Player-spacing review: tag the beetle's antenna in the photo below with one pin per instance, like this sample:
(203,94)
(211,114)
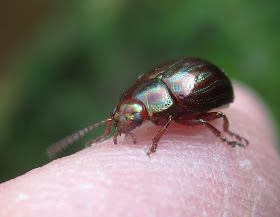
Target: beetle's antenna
(61,145)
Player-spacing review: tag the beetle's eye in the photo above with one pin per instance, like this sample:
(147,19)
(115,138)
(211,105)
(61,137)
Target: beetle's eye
(137,119)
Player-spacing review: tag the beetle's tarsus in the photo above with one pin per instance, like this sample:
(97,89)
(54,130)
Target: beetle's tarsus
(247,142)
(234,143)
(238,137)
(94,141)
(149,152)
(152,149)
(240,145)
(132,136)
(116,137)
(88,144)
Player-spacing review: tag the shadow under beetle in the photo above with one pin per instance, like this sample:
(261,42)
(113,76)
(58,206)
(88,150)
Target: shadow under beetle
(183,90)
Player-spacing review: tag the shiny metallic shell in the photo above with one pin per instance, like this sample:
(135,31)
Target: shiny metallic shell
(193,84)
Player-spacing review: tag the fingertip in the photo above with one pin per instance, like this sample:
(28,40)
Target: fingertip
(191,173)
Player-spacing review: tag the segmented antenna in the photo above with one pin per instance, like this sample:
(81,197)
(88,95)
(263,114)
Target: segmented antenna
(61,145)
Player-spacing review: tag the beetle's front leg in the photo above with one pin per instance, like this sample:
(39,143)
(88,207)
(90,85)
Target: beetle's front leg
(116,137)
(157,137)
(101,138)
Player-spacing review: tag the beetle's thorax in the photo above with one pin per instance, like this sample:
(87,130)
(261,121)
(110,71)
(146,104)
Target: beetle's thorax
(129,114)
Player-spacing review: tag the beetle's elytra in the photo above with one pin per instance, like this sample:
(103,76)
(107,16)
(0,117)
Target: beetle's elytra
(183,90)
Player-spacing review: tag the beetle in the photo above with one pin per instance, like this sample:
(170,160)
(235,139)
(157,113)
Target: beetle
(184,90)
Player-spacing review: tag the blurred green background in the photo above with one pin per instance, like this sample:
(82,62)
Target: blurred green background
(64,64)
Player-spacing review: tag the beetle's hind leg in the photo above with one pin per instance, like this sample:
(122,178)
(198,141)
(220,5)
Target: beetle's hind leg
(226,128)
(206,117)
(214,115)
(218,134)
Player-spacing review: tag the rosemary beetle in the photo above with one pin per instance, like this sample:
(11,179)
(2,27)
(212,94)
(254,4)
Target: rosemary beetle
(184,90)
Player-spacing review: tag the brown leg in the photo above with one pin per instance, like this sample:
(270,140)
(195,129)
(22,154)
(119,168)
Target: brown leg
(119,133)
(158,136)
(116,137)
(204,118)
(218,134)
(214,115)
(100,138)
(132,136)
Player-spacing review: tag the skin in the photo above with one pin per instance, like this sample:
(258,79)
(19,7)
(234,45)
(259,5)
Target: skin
(192,173)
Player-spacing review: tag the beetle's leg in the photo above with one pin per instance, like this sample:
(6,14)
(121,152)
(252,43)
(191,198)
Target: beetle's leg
(218,134)
(226,128)
(198,120)
(115,137)
(132,136)
(106,134)
(214,115)
(158,136)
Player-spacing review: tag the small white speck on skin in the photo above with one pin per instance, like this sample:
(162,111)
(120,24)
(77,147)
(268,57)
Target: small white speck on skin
(245,163)
(85,187)
(204,213)
(22,196)
(109,181)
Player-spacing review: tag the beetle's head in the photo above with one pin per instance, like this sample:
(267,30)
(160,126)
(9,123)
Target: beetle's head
(129,114)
